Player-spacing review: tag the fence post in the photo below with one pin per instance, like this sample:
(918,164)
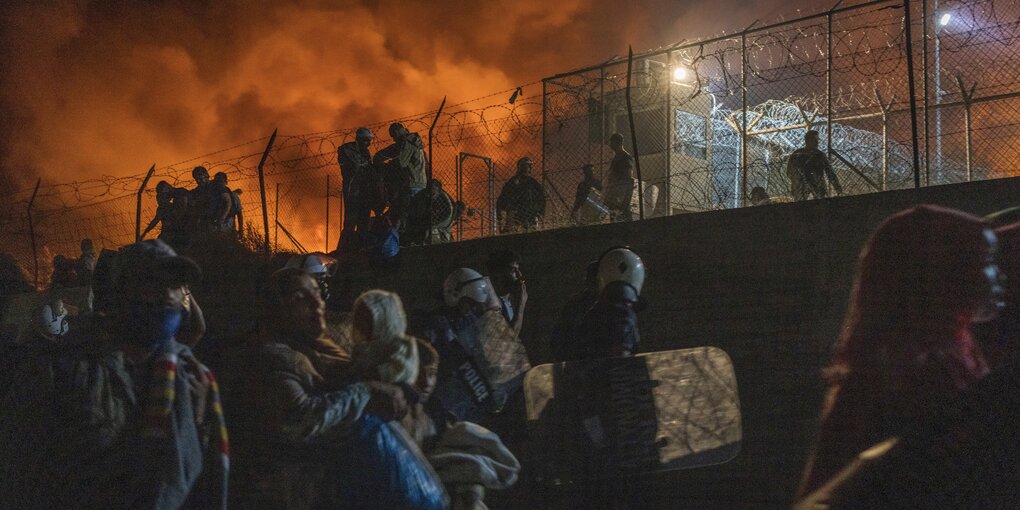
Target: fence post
(491,197)
(262,190)
(742,174)
(276,218)
(886,107)
(968,102)
(924,90)
(428,184)
(457,184)
(545,181)
(602,123)
(912,91)
(669,133)
(138,206)
(327,214)
(31,234)
(633,138)
(828,83)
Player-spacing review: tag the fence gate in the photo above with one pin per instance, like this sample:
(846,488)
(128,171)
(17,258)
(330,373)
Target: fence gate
(476,188)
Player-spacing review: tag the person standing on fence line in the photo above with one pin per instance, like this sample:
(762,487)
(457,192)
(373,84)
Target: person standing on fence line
(808,169)
(222,207)
(760,197)
(522,201)
(355,173)
(584,189)
(87,261)
(200,201)
(620,182)
(172,214)
(402,164)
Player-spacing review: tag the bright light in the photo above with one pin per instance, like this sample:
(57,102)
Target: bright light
(679,74)
(944,20)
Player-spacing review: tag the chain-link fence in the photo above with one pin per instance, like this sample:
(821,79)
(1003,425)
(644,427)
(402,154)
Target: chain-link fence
(712,124)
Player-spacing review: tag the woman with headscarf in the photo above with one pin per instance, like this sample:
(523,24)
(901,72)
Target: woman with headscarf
(384,352)
(923,279)
(466,457)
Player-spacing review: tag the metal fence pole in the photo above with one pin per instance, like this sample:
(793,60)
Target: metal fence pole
(924,90)
(138,205)
(886,107)
(545,105)
(492,198)
(633,137)
(828,83)
(428,184)
(460,193)
(912,92)
(276,218)
(31,234)
(938,90)
(262,190)
(968,102)
(602,122)
(669,132)
(327,213)
(742,174)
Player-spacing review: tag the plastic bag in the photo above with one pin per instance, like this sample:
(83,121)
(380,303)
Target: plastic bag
(381,468)
(385,238)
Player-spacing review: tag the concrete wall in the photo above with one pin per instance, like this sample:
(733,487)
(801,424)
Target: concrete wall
(768,285)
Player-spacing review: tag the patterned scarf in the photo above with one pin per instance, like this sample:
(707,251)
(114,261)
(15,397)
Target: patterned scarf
(158,415)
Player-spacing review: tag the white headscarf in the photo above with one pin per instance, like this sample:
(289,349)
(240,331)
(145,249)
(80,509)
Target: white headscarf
(389,352)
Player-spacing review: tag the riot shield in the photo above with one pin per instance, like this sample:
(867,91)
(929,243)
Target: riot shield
(653,412)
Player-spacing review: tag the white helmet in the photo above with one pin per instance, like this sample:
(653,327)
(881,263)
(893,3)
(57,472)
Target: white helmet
(318,264)
(322,267)
(467,283)
(620,264)
(51,319)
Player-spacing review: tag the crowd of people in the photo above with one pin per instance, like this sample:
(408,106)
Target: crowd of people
(183,214)
(372,407)
(369,408)
(389,199)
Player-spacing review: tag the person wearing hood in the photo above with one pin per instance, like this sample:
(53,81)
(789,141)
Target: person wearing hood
(356,177)
(127,417)
(609,328)
(292,399)
(924,278)
(384,352)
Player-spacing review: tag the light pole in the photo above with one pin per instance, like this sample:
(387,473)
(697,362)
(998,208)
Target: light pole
(940,22)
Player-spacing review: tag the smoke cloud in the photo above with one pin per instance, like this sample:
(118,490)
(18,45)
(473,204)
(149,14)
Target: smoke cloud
(106,88)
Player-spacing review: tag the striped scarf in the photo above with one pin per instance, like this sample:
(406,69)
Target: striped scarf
(158,416)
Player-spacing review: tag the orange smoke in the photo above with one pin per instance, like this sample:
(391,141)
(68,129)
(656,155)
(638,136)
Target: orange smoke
(107,88)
